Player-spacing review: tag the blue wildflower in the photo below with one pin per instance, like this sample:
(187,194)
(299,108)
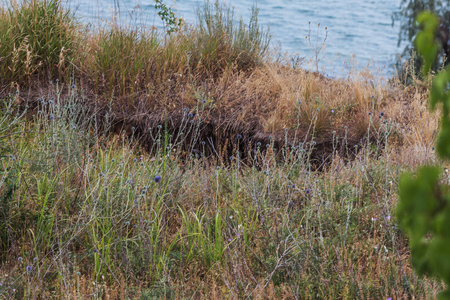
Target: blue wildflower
(157,179)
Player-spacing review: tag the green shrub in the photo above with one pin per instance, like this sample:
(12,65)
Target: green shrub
(424,208)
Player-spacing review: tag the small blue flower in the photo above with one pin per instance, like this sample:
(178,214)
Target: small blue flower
(157,179)
(20,258)
(239,136)
(203,143)
(307,191)
(29,269)
(258,144)
(190,115)
(73,86)
(382,114)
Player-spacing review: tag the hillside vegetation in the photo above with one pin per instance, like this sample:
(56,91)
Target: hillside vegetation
(140,164)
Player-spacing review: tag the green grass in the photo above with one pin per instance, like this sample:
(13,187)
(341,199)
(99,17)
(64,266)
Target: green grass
(38,40)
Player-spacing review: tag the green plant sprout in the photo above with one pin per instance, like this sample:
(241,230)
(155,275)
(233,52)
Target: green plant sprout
(166,14)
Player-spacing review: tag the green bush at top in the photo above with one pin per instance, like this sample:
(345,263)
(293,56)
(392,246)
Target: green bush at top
(36,37)
(424,208)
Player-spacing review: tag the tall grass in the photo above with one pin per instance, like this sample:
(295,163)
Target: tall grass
(224,44)
(42,41)
(38,39)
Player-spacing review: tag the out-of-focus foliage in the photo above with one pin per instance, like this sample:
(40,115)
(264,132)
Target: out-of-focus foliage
(407,15)
(424,208)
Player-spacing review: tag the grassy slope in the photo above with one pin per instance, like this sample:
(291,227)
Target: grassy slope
(260,195)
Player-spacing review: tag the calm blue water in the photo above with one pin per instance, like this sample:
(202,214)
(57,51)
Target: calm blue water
(358,29)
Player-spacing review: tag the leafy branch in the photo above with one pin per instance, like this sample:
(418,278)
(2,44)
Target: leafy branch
(424,208)
(166,14)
